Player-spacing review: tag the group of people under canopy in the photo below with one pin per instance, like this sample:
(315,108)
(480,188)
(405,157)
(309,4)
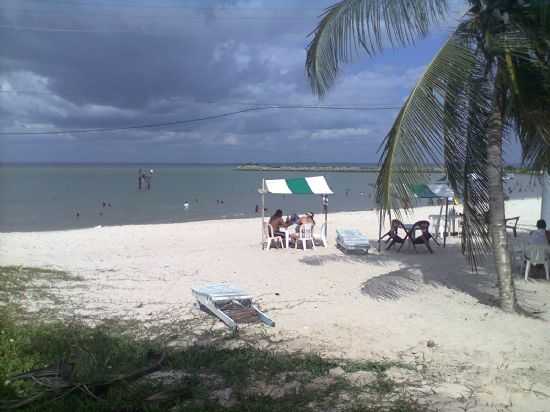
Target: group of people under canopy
(292,223)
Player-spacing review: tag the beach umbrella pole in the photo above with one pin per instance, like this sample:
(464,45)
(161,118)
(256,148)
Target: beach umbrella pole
(446,214)
(325,209)
(263,212)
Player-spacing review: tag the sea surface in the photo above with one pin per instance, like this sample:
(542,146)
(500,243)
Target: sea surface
(48,197)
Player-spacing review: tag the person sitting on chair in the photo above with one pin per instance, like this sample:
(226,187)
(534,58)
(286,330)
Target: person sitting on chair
(277,222)
(307,219)
(540,236)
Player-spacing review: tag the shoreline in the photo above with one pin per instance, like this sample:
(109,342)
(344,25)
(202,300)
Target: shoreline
(217,220)
(230,218)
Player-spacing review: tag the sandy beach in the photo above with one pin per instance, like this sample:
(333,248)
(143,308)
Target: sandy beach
(379,305)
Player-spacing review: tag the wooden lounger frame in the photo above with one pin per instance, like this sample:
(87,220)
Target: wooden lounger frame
(231,305)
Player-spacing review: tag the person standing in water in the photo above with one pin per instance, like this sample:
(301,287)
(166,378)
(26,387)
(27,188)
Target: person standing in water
(149,178)
(140,179)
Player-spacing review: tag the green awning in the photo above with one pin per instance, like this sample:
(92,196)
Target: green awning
(316,185)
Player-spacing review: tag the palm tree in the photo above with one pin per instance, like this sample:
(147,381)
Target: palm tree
(488,83)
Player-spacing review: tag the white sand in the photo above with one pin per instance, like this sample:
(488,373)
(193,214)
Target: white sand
(316,297)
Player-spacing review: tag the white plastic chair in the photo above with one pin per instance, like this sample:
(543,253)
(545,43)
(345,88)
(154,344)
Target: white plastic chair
(270,236)
(537,255)
(305,234)
(322,237)
(516,246)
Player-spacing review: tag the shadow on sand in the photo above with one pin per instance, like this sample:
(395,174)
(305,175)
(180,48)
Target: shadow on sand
(447,268)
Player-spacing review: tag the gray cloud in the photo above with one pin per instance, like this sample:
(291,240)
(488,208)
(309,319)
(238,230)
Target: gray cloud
(143,62)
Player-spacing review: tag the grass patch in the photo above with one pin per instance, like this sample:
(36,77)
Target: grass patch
(94,355)
(108,367)
(373,366)
(235,365)
(19,283)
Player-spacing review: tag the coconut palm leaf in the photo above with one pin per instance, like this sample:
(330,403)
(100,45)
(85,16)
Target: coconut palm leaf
(474,182)
(369,25)
(528,113)
(439,101)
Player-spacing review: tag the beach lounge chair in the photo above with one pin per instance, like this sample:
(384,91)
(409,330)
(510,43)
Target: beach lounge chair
(305,234)
(271,237)
(231,305)
(393,233)
(537,255)
(352,240)
(322,236)
(423,239)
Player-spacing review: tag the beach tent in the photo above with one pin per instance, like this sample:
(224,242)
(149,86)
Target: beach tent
(316,185)
(429,191)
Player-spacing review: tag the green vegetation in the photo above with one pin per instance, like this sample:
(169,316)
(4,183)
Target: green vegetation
(122,366)
(18,283)
(488,82)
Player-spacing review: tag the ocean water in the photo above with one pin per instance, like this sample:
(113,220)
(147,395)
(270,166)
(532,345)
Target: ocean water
(34,198)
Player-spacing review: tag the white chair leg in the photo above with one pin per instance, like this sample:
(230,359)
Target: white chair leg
(527,267)
(547,270)
(312,244)
(521,263)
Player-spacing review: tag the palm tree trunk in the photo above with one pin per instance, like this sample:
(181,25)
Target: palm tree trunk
(497,228)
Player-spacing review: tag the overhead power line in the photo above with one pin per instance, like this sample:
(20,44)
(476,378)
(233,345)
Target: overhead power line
(194,120)
(363,106)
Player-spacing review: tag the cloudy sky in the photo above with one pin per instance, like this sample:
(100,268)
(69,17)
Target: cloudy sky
(77,64)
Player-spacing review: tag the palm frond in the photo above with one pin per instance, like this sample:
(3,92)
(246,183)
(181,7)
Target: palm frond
(476,240)
(443,122)
(369,25)
(416,139)
(527,113)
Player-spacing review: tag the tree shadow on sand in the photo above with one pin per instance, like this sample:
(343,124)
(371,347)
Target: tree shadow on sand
(441,269)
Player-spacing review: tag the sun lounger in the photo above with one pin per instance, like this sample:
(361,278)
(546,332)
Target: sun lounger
(352,240)
(230,304)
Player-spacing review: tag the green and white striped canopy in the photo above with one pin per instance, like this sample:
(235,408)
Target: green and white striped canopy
(316,185)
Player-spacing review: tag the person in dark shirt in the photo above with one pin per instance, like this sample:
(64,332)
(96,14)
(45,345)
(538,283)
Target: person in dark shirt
(277,222)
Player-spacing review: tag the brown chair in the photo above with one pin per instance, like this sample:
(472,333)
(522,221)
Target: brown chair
(393,233)
(424,238)
(512,223)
